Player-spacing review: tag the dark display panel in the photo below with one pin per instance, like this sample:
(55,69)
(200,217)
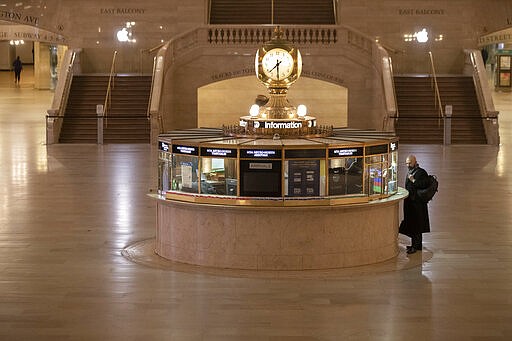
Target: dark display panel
(260,178)
(304,178)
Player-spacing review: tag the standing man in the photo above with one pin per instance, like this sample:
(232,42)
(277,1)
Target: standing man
(416,219)
(18,66)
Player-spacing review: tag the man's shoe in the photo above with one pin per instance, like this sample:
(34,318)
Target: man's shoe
(411,250)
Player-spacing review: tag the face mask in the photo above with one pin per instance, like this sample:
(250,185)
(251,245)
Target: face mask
(410,167)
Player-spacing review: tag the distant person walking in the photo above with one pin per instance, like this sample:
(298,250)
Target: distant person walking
(18,66)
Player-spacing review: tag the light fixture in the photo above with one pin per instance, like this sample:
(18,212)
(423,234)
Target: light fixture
(122,35)
(421,36)
(302,110)
(255,110)
(125,34)
(16,42)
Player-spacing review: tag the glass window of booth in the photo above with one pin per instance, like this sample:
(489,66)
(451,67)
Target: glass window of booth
(346,176)
(391,174)
(185,173)
(376,173)
(218,176)
(164,172)
(304,178)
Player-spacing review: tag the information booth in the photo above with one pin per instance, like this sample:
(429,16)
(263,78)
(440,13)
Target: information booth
(277,191)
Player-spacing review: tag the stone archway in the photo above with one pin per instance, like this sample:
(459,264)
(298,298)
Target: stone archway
(223,102)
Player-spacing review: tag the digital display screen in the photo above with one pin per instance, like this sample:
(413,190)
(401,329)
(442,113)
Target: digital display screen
(346,152)
(260,153)
(187,150)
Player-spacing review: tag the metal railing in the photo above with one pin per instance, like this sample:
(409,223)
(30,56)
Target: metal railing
(110,86)
(475,66)
(60,98)
(437,100)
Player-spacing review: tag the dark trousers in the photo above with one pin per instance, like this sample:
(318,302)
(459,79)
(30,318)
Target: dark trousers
(417,241)
(17,75)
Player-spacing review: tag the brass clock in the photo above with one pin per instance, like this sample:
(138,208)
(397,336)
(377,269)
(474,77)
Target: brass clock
(278,63)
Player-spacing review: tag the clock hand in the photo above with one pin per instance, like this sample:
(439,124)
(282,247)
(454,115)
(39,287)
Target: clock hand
(275,66)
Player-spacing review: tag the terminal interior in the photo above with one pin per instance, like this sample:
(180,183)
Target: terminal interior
(68,210)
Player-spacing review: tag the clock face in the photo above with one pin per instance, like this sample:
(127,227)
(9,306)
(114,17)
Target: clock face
(277,64)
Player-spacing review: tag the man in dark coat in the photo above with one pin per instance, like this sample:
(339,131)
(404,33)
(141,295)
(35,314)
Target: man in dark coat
(416,219)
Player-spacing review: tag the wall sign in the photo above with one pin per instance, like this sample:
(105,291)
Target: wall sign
(122,11)
(393,146)
(19,17)
(420,11)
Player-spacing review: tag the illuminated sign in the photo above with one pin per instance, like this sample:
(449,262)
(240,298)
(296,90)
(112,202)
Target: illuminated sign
(218,152)
(346,152)
(163,146)
(393,146)
(283,125)
(260,153)
(188,150)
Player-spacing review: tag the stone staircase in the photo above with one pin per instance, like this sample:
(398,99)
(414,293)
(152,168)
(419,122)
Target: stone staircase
(126,122)
(419,121)
(294,12)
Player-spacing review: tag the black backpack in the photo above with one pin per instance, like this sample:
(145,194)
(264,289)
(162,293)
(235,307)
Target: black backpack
(428,193)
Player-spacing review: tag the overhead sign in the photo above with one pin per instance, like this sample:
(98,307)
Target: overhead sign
(205,151)
(346,152)
(187,150)
(260,153)
(379,149)
(23,32)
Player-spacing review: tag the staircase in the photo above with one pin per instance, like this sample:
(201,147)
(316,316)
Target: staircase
(419,121)
(296,12)
(127,118)
(467,125)
(127,121)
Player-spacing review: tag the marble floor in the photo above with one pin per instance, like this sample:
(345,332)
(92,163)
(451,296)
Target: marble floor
(67,211)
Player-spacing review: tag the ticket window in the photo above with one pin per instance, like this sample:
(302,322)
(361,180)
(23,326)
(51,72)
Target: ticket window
(218,176)
(260,178)
(185,173)
(346,176)
(377,172)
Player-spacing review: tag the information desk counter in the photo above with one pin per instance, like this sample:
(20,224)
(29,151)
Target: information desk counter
(278,237)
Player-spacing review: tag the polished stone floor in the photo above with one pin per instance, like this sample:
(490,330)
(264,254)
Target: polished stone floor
(67,211)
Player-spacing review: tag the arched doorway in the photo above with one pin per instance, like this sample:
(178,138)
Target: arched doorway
(225,101)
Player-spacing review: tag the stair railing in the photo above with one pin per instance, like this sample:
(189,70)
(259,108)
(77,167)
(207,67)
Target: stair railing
(110,86)
(474,66)
(60,98)
(435,86)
